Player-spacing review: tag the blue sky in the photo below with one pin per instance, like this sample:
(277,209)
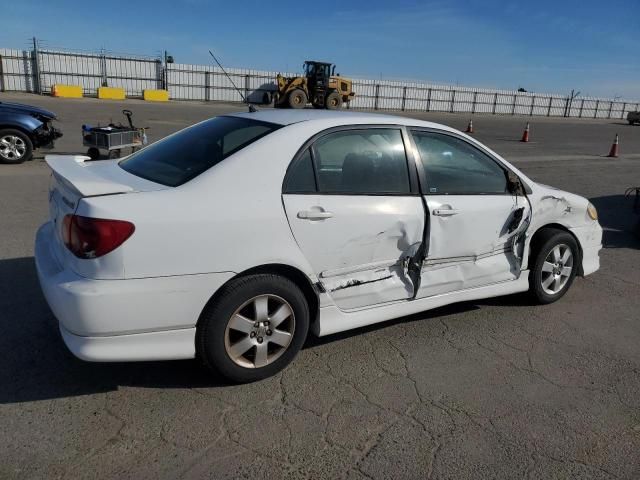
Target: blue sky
(545,46)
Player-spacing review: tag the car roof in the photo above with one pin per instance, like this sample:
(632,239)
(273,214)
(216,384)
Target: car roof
(285,116)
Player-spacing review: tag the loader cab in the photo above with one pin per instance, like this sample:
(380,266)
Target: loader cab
(318,71)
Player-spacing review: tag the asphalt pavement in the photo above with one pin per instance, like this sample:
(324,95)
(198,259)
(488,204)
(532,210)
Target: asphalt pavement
(497,388)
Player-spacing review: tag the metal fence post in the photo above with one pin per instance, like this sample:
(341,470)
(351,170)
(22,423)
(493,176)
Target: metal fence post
(103,67)
(533,101)
(377,95)
(453,100)
(595,111)
(473,104)
(207,86)
(404,97)
(246,87)
(429,99)
(1,76)
(35,59)
(549,109)
(495,102)
(624,105)
(513,107)
(581,107)
(610,108)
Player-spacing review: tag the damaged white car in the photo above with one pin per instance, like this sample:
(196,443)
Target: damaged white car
(232,239)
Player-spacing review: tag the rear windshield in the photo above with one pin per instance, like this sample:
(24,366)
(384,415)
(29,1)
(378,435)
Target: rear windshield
(184,155)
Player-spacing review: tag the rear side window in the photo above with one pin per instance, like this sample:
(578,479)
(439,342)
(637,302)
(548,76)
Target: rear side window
(300,177)
(370,161)
(184,155)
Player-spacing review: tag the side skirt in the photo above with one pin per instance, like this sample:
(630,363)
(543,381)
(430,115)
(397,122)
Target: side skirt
(333,320)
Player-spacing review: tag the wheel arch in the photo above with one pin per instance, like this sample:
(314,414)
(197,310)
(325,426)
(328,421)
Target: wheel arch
(534,243)
(20,128)
(292,273)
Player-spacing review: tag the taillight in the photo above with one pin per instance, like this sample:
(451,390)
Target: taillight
(89,237)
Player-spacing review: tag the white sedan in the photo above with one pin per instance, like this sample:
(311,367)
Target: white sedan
(232,239)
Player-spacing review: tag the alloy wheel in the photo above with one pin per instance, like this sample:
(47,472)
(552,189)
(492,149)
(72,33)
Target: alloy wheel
(260,331)
(556,269)
(12,147)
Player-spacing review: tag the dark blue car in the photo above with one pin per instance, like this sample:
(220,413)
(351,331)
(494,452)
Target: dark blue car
(23,128)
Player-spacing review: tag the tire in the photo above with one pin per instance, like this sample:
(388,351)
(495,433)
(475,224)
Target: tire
(113,154)
(631,122)
(15,146)
(217,339)
(550,263)
(93,153)
(297,98)
(333,101)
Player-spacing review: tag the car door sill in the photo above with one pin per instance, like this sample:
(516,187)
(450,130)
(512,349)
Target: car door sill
(360,268)
(333,320)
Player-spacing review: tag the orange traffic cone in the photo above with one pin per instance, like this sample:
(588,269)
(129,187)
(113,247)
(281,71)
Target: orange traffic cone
(469,127)
(525,135)
(614,148)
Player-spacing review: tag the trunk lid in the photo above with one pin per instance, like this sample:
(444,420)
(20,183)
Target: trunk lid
(73,178)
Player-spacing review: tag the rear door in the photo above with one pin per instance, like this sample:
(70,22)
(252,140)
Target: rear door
(354,208)
(474,218)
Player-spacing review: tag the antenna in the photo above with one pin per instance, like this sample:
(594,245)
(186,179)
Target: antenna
(244,99)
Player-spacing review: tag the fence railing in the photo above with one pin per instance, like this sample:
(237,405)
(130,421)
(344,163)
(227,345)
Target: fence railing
(37,70)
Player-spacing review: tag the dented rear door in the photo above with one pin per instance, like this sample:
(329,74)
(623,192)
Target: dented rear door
(356,214)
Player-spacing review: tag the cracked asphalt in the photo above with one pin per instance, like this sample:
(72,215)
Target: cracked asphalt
(491,389)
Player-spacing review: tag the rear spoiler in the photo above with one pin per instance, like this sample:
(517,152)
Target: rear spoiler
(85,178)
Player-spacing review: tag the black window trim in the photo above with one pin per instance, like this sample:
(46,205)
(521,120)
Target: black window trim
(414,189)
(422,170)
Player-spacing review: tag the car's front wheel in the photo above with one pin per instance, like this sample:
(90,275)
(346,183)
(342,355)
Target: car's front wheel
(554,266)
(15,146)
(254,327)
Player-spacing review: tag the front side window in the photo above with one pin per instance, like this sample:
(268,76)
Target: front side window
(367,161)
(184,155)
(454,167)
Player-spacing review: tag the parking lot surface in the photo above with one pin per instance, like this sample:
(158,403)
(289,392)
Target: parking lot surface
(491,389)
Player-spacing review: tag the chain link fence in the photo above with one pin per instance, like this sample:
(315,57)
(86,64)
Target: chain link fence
(37,70)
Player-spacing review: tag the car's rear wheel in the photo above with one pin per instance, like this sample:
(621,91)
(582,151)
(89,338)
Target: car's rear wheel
(15,146)
(554,266)
(254,327)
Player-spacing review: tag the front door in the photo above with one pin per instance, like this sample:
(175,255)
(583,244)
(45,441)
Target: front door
(356,214)
(473,216)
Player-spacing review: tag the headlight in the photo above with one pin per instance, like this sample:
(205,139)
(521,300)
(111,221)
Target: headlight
(592,212)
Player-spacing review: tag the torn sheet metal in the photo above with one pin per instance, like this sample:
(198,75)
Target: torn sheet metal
(361,251)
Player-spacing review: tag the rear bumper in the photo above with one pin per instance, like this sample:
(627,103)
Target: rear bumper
(590,238)
(167,345)
(158,315)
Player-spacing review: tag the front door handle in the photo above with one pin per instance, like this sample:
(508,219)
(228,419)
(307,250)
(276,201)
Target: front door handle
(314,214)
(445,212)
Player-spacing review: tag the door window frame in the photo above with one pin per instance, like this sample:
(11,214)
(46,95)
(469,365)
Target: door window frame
(410,159)
(422,171)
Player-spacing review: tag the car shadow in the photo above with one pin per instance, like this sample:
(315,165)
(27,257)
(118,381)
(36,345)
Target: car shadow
(37,366)
(621,225)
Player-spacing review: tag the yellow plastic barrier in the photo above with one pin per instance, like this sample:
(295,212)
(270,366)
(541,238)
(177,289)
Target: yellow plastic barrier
(111,93)
(66,91)
(155,95)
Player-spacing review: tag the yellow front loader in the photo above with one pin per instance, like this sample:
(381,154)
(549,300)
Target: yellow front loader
(319,86)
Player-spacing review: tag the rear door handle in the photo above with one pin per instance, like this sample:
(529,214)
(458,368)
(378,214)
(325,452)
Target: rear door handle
(314,214)
(445,212)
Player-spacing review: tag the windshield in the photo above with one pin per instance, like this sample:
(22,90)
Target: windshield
(184,155)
